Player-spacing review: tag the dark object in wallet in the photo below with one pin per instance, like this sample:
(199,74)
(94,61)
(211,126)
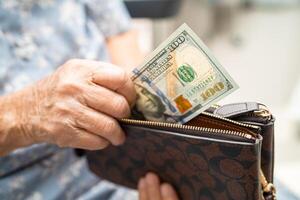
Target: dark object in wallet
(154,9)
(210,157)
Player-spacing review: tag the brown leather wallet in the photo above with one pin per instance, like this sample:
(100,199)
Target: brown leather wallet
(226,152)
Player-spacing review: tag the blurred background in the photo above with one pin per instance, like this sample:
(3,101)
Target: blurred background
(258,42)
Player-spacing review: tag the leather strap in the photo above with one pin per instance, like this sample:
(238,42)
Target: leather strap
(269,190)
(236,109)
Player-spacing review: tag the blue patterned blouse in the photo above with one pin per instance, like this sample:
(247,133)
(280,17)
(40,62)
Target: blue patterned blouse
(36,36)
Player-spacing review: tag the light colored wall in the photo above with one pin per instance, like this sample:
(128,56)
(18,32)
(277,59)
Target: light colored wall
(260,47)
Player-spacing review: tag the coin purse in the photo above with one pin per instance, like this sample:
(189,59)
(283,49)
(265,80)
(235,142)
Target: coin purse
(226,152)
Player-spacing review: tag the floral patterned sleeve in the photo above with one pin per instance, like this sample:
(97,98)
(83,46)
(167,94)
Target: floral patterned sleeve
(111,16)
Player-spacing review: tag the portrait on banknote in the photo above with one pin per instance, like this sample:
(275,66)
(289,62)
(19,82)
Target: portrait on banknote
(149,106)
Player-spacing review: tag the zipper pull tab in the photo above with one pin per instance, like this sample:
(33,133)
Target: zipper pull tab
(237,109)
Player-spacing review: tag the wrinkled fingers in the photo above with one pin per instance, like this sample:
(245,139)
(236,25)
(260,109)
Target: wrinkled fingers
(99,124)
(115,79)
(106,101)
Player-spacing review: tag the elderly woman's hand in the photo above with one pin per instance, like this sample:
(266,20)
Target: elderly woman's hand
(150,188)
(77,106)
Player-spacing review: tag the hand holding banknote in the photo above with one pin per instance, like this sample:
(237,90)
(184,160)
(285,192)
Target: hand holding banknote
(179,80)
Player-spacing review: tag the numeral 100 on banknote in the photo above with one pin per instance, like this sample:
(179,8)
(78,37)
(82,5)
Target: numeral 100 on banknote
(218,87)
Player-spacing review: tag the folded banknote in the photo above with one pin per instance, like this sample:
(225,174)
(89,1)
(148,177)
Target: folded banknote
(179,80)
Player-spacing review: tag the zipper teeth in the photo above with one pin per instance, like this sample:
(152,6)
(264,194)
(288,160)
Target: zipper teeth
(231,121)
(188,127)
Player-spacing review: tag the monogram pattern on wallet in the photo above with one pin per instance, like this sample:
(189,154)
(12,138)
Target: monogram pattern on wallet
(198,168)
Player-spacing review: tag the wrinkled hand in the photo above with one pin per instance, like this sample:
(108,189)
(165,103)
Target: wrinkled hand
(78,105)
(150,188)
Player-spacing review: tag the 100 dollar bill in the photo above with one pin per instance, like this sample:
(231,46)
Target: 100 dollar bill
(179,80)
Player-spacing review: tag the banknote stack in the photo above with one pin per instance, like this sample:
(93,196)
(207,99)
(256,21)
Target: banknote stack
(179,80)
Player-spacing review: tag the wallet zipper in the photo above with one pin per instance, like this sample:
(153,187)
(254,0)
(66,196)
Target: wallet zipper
(232,121)
(187,127)
(197,128)
(262,112)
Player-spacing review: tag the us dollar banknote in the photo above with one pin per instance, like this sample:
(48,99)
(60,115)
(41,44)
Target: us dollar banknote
(179,80)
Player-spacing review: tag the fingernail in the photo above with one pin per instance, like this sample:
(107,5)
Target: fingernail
(121,139)
(152,179)
(142,183)
(166,190)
